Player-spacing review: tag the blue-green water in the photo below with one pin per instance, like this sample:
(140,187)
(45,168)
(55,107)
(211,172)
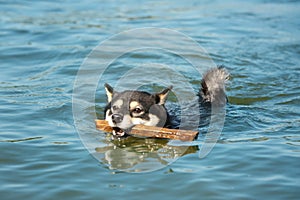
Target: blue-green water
(42,45)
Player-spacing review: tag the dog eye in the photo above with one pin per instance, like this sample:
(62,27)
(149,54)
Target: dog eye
(137,110)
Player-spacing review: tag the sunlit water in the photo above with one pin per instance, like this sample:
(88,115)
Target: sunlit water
(42,46)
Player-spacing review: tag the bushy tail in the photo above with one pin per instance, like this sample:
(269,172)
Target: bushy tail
(213,86)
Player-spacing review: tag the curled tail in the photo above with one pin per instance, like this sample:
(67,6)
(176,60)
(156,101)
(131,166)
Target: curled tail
(213,86)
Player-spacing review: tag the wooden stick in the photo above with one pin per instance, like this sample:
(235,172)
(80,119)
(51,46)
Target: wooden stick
(152,131)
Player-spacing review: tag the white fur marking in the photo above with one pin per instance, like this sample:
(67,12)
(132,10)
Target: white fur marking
(133,104)
(119,103)
(154,120)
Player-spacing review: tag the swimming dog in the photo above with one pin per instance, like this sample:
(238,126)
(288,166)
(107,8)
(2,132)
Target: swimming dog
(128,108)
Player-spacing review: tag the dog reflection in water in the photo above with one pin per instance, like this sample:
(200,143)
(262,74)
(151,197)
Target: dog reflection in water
(127,154)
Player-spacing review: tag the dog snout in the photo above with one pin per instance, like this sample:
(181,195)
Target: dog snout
(117,118)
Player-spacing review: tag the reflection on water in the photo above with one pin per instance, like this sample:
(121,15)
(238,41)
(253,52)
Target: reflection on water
(140,154)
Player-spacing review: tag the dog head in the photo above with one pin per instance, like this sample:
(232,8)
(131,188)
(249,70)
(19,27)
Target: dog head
(128,108)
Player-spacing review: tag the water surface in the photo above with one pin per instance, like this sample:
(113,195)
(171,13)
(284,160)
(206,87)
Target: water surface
(42,46)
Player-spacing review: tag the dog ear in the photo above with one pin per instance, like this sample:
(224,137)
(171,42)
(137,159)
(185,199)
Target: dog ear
(109,92)
(161,97)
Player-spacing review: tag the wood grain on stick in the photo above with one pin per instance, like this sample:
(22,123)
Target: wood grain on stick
(152,131)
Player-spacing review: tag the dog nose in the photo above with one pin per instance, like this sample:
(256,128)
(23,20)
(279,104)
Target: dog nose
(117,118)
